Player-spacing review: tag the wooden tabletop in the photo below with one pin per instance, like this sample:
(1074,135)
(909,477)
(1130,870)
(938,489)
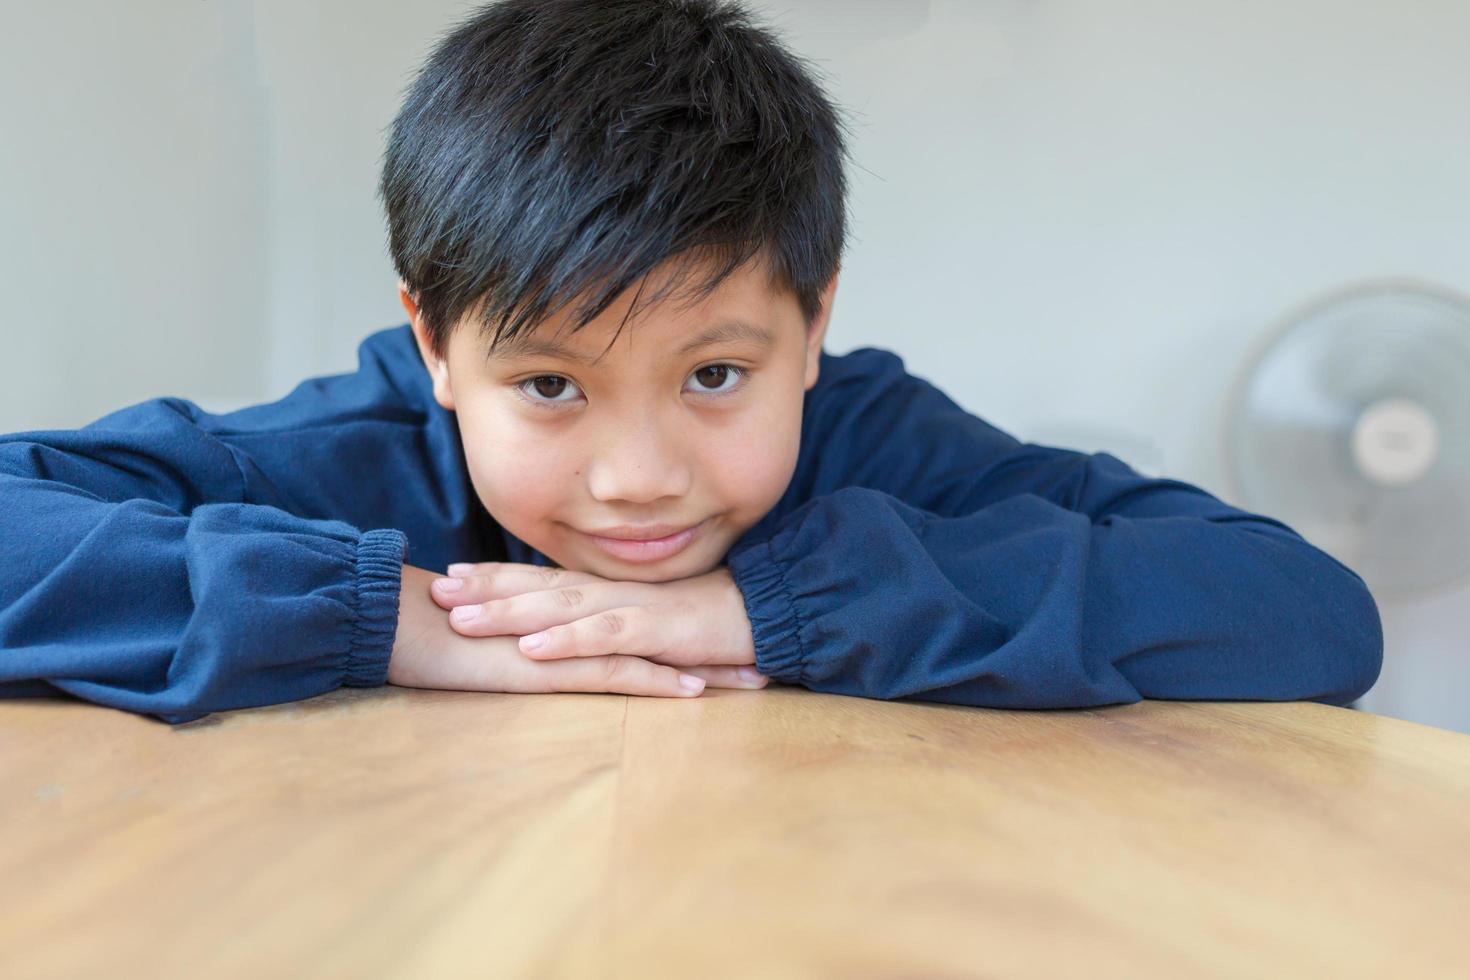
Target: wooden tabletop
(779,833)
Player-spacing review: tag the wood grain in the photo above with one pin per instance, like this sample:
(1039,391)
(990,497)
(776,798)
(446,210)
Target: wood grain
(777,833)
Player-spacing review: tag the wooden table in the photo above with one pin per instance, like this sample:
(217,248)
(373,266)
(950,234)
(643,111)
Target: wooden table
(774,834)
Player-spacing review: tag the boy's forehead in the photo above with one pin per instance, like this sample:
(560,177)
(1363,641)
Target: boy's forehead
(746,306)
(541,342)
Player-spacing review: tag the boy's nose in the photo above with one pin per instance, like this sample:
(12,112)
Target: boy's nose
(641,466)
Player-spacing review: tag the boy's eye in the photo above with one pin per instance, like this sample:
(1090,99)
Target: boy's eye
(548,390)
(548,387)
(717,375)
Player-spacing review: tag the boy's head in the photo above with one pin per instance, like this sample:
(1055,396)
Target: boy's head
(564,169)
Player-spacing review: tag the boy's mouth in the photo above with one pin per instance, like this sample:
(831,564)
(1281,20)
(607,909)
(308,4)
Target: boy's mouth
(636,544)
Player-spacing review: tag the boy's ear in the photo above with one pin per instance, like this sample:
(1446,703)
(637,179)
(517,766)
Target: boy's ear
(438,367)
(817,331)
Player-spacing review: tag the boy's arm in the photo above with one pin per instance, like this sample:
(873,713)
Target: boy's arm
(949,562)
(138,576)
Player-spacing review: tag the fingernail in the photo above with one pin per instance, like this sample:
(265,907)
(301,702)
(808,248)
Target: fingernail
(448,584)
(691,683)
(462,613)
(461,568)
(750,675)
(534,641)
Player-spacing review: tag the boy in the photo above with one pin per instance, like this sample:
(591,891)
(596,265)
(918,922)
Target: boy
(618,227)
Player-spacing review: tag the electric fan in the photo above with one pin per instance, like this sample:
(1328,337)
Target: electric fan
(1351,424)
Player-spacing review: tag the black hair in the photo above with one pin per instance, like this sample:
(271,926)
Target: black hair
(555,149)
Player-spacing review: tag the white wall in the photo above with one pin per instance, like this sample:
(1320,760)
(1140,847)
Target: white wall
(1075,216)
(133,188)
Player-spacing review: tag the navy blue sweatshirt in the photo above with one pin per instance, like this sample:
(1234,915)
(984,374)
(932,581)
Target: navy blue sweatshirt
(175,562)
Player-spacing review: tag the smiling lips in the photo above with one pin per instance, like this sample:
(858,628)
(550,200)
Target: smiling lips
(650,549)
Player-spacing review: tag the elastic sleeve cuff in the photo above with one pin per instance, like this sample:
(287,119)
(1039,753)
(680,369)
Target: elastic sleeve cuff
(380,556)
(774,624)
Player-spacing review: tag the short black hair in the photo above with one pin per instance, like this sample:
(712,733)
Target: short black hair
(556,149)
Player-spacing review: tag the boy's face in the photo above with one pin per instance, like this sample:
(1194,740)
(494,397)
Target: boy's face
(558,449)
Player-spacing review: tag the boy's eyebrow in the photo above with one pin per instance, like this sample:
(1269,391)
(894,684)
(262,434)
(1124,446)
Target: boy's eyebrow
(730,330)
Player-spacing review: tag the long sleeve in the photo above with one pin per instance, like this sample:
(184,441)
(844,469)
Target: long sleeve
(926,554)
(173,562)
(138,576)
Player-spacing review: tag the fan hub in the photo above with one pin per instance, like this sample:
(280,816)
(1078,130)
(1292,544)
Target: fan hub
(1395,442)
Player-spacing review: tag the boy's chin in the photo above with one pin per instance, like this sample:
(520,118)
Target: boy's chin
(669,570)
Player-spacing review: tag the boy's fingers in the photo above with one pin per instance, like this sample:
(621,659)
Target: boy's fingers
(631,630)
(725,676)
(492,581)
(617,674)
(462,568)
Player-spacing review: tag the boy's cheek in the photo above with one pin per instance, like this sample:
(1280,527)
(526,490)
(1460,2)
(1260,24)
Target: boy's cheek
(517,482)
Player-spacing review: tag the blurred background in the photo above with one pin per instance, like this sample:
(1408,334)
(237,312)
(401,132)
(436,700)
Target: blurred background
(1091,223)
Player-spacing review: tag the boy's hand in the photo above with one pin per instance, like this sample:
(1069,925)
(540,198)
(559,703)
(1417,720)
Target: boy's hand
(428,653)
(687,623)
